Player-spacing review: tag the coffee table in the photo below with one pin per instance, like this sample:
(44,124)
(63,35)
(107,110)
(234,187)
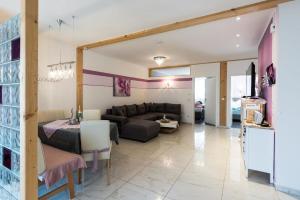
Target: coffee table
(168,127)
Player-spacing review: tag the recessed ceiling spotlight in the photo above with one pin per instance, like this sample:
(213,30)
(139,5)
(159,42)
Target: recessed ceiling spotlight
(238,18)
(237,45)
(238,35)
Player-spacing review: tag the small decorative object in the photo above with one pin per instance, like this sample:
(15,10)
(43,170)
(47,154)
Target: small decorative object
(164,119)
(79,115)
(121,87)
(73,120)
(269,78)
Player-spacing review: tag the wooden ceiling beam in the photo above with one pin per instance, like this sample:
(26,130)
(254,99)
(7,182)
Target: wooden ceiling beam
(268,4)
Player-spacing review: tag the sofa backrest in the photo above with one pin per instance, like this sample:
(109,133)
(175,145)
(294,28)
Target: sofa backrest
(132,110)
(173,108)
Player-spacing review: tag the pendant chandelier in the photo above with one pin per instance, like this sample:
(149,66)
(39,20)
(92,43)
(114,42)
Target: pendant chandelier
(63,69)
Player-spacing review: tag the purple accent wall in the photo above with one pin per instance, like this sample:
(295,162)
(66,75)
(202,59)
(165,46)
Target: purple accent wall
(264,60)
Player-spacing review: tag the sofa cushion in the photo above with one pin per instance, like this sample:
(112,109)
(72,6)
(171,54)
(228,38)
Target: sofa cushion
(152,107)
(173,108)
(141,130)
(119,111)
(160,107)
(147,106)
(141,109)
(131,110)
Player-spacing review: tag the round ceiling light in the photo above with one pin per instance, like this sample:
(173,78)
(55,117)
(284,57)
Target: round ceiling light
(159,59)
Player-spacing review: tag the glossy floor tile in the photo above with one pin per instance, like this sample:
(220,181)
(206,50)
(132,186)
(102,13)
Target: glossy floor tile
(196,162)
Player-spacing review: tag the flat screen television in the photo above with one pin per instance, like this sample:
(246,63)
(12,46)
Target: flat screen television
(251,81)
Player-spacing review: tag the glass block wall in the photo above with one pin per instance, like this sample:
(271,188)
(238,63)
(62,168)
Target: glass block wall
(10,109)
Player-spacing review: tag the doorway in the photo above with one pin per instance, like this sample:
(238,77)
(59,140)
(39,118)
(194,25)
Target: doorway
(238,90)
(205,100)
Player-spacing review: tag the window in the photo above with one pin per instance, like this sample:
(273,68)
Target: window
(174,71)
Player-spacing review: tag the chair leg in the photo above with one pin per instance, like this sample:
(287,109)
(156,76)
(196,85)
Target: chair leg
(79,176)
(108,165)
(71,184)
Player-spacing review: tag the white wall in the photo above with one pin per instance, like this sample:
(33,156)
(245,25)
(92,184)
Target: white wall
(235,68)
(58,95)
(98,62)
(208,70)
(287,163)
(101,97)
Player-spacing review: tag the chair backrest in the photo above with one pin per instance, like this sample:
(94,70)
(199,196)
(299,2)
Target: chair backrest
(40,157)
(51,115)
(91,114)
(95,135)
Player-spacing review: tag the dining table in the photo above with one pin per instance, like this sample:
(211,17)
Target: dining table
(68,139)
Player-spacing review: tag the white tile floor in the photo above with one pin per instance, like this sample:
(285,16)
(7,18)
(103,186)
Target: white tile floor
(196,162)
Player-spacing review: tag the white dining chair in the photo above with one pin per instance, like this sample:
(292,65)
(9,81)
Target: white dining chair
(94,114)
(95,142)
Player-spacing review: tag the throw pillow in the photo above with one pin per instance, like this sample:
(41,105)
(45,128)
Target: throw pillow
(160,107)
(173,108)
(131,110)
(141,109)
(119,110)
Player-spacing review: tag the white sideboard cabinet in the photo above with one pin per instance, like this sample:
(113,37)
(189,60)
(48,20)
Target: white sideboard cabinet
(257,145)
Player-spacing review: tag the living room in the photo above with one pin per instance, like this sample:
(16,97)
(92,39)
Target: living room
(140,57)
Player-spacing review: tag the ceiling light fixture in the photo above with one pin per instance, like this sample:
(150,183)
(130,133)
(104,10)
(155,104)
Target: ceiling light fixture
(159,59)
(237,46)
(238,35)
(238,18)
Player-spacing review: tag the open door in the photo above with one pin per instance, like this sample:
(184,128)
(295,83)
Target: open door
(210,101)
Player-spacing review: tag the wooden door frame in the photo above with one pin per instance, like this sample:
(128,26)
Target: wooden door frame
(223,94)
(28,99)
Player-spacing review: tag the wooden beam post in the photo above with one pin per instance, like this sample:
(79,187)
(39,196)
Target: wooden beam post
(29,99)
(189,22)
(79,78)
(223,93)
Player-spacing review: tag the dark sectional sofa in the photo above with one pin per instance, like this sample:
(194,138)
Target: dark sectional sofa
(137,122)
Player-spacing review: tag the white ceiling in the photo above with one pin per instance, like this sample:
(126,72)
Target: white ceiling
(102,19)
(209,42)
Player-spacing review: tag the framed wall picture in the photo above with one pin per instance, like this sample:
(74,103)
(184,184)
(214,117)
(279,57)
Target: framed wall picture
(121,87)
(271,74)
